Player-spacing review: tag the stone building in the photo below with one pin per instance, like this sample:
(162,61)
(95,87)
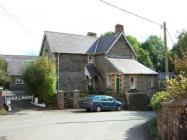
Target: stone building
(15,65)
(107,64)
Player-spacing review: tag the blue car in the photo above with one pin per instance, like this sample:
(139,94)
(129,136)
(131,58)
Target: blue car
(101,102)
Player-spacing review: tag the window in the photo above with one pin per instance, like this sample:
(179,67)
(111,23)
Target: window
(111,99)
(19,81)
(133,82)
(109,81)
(90,59)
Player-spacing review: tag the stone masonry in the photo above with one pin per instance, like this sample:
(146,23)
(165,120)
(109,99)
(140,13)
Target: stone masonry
(72,75)
(172,120)
(121,49)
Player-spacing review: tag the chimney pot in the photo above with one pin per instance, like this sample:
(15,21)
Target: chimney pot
(119,28)
(92,34)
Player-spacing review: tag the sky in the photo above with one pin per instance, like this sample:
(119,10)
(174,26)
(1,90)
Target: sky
(22,28)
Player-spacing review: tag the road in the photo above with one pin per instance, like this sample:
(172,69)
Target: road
(75,124)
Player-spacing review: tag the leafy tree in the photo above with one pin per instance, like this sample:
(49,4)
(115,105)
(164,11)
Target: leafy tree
(40,79)
(142,55)
(154,45)
(181,64)
(181,45)
(108,33)
(4,76)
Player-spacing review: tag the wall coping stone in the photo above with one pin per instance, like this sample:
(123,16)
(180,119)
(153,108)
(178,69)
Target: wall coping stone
(175,103)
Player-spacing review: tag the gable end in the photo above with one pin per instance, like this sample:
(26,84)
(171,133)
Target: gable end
(121,48)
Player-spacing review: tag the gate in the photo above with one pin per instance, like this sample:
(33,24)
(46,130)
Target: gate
(8,99)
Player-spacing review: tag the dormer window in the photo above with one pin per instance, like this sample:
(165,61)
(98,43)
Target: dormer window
(90,59)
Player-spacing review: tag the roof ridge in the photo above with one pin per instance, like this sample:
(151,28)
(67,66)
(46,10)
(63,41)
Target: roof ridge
(18,55)
(70,34)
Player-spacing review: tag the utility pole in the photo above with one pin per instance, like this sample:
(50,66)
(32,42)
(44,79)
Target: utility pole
(166,53)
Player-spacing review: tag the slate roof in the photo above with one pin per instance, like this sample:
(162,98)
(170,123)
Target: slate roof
(69,43)
(91,69)
(102,44)
(16,62)
(130,66)
(79,44)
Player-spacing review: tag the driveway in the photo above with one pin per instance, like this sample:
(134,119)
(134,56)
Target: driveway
(75,124)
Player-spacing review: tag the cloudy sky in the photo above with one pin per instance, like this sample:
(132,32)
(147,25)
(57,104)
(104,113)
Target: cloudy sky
(23,22)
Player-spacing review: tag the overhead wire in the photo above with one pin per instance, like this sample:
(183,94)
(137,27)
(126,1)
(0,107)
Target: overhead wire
(18,22)
(170,36)
(136,15)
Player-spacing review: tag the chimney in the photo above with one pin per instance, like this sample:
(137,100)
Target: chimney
(119,28)
(92,34)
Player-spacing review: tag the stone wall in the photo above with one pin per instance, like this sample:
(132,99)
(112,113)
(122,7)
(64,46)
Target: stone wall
(104,67)
(143,83)
(72,71)
(172,120)
(138,101)
(121,49)
(45,48)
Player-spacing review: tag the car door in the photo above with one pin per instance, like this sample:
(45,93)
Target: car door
(104,102)
(111,103)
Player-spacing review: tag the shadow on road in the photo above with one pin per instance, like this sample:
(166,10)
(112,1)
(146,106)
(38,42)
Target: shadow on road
(99,121)
(139,132)
(84,111)
(3,138)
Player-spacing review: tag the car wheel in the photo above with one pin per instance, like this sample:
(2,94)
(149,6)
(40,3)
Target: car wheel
(118,108)
(98,108)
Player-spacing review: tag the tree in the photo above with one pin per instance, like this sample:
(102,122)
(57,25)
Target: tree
(108,33)
(4,76)
(142,55)
(181,64)
(40,79)
(154,45)
(181,45)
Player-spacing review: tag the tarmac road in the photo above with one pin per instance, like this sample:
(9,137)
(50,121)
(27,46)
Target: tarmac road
(75,124)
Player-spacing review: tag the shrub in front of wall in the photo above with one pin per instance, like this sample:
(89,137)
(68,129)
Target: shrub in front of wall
(178,87)
(158,98)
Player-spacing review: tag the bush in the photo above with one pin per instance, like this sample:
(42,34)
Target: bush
(177,88)
(40,79)
(4,75)
(153,129)
(158,98)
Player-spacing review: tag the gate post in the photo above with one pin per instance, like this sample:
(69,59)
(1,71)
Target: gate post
(1,98)
(60,99)
(76,99)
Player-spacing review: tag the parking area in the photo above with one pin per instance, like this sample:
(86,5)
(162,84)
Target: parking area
(75,124)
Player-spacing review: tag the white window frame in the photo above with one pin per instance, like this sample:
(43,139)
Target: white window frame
(19,81)
(133,84)
(90,59)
